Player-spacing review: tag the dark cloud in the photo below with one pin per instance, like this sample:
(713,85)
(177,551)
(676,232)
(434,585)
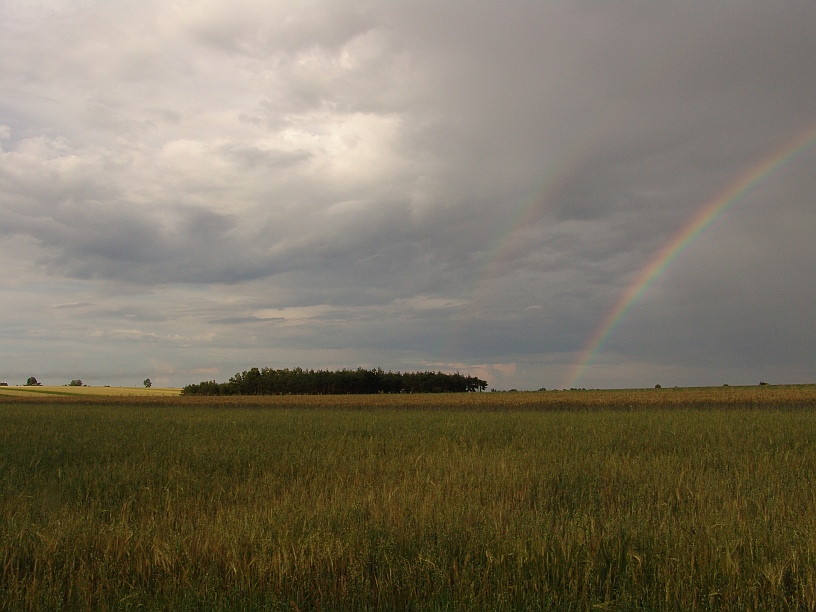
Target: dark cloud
(406,185)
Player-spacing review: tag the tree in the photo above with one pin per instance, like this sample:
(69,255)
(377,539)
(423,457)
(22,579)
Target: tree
(75,383)
(297,381)
(147,383)
(32,382)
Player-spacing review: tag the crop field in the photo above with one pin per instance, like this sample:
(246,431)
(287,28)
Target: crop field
(103,391)
(659,499)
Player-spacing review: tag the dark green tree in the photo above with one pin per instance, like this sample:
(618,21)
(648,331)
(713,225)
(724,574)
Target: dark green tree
(297,381)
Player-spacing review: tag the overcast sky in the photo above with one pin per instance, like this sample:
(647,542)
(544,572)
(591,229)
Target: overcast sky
(191,189)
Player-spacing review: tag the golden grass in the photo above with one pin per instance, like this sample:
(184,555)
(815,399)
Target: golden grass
(726,397)
(94,391)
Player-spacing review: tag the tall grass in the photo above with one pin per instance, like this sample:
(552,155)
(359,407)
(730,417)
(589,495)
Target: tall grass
(117,507)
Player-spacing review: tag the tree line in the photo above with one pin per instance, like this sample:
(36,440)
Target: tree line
(298,381)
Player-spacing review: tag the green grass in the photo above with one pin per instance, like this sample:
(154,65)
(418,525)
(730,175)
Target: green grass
(187,506)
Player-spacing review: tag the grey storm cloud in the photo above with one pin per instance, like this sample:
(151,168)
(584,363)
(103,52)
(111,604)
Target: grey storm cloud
(409,185)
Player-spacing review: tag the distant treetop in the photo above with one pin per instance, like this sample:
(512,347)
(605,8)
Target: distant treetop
(298,381)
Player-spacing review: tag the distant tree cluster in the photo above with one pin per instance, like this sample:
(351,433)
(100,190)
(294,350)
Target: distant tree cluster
(298,381)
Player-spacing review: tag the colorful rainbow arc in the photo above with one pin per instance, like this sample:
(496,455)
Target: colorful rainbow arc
(704,217)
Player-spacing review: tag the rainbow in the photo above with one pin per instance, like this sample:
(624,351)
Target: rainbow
(703,218)
(502,249)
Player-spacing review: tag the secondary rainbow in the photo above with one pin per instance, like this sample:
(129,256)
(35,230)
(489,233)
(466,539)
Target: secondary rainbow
(702,219)
(501,250)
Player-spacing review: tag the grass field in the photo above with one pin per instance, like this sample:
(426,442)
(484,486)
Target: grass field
(100,391)
(653,499)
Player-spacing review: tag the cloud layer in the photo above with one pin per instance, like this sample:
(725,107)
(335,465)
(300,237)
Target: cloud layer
(188,190)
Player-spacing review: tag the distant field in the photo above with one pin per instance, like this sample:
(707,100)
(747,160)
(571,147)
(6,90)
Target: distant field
(649,499)
(765,396)
(105,391)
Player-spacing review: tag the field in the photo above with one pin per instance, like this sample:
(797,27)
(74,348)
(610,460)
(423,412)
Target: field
(25,391)
(675,499)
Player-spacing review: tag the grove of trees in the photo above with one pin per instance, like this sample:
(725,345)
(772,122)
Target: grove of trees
(298,381)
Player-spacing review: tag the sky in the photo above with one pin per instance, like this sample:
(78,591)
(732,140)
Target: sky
(504,189)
